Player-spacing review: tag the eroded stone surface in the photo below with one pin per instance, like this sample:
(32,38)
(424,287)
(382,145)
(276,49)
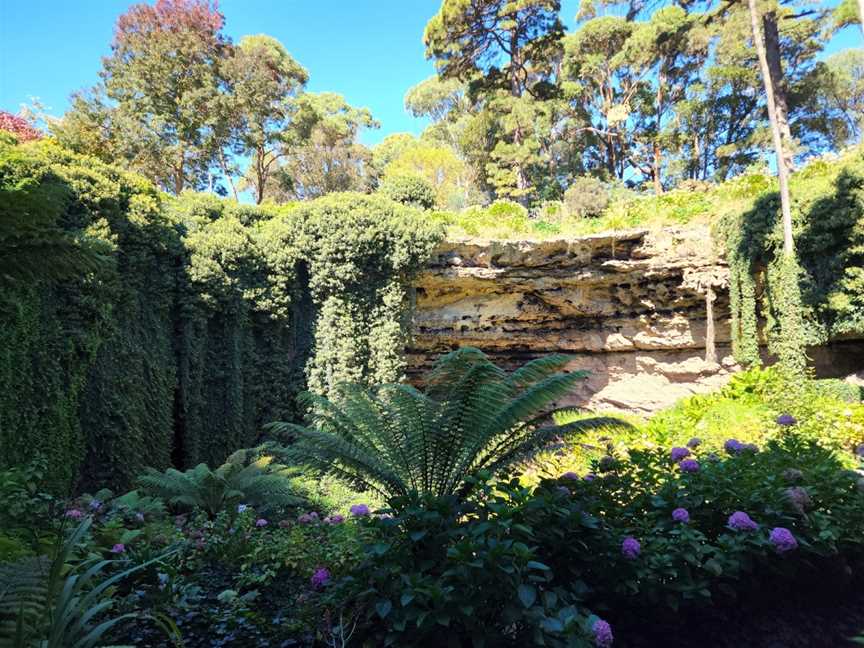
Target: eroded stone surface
(627,306)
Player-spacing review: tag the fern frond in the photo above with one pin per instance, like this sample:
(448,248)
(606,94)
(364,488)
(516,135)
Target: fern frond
(259,482)
(471,415)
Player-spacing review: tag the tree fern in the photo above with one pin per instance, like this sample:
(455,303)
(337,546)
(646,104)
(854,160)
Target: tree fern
(399,440)
(258,482)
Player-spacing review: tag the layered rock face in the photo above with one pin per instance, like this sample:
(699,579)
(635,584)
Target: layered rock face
(630,307)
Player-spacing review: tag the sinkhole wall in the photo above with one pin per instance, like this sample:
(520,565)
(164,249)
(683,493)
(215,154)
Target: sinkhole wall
(630,307)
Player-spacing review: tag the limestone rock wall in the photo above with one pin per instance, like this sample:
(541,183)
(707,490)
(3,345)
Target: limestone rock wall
(630,307)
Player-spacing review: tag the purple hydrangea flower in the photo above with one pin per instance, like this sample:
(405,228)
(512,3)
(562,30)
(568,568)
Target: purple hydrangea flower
(241,508)
(740,521)
(261,522)
(360,510)
(602,633)
(681,515)
(606,464)
(570,475)
(631,548)
(733,446)
(783,540)
(694,443)
(786,420)
(590,477)
(677,454)
(798,498)
(95,504)
(793,475)
(334,519)
(74,514)
(563,490)
(689,465)
(320,578)
(860,450)
(118,548)
(307,518)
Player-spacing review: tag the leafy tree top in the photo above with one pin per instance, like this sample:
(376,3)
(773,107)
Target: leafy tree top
(18,126)
(472,38)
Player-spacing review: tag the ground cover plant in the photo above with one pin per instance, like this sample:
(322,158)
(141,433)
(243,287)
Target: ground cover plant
(755,406)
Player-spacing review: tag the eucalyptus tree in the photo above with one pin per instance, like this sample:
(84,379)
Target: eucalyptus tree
(322,150)
(841,97)
(165,78)
(600,85)
(668,51)
(265,82)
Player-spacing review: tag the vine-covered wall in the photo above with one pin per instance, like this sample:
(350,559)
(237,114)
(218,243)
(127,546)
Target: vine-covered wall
(792,304)
(170,330)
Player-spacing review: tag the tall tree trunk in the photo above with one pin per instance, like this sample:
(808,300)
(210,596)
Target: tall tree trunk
(224,164)
(516,92)
(260,174)
(657,162)
(861,14)
(782,170)
(710,346)
(772,53)
(178,177)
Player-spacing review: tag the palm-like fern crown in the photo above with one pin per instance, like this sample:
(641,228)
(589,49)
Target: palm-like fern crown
(259,483)
(398,440)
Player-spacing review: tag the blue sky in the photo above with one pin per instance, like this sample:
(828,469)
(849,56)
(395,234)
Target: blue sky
(370,51)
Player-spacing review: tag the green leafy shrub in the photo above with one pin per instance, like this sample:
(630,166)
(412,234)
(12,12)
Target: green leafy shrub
(397,440)
(793,484)
(586,197)
(747,408)
(30,515)
(408,190)
(330,495)
(444,572)
(251,576)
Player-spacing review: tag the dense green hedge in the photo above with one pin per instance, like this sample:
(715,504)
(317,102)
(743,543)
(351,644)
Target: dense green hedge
(828,221)
(137,330)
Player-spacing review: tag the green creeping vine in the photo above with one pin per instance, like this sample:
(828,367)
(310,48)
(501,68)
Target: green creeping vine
(139,330)
(818,294)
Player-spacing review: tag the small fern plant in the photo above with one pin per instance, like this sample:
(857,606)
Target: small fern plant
(258,482)
(400,441)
